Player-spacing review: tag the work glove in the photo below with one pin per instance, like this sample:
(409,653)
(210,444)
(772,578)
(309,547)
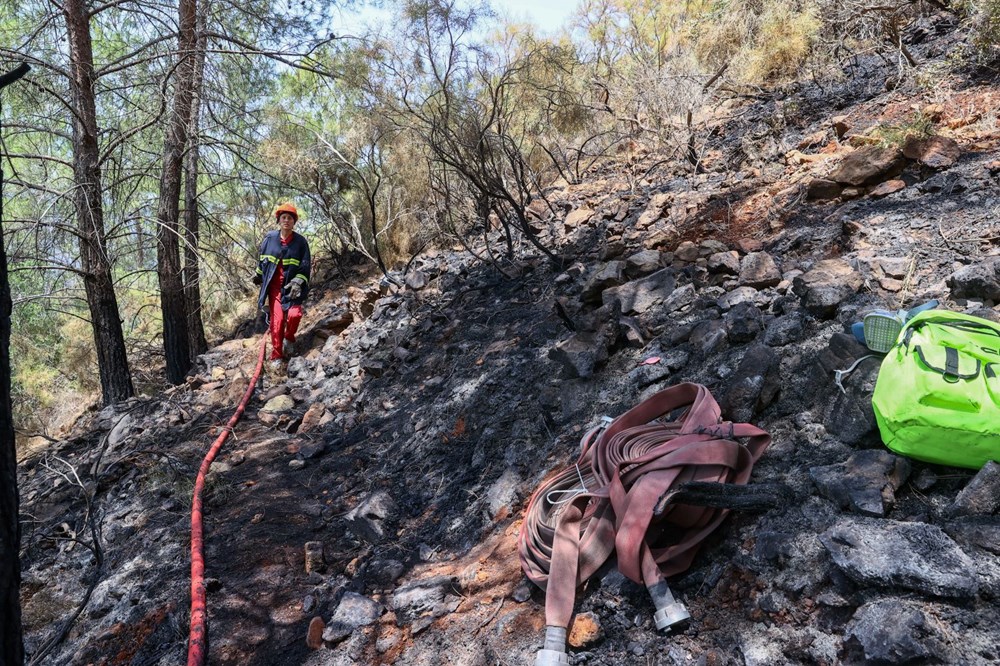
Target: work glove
(258,279)
(294,289)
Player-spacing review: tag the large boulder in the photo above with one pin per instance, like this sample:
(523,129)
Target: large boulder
(869,165)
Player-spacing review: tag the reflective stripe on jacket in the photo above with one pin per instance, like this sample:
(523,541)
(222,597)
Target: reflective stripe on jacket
(295,259)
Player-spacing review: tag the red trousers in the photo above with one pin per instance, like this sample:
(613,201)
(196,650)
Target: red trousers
(283,324)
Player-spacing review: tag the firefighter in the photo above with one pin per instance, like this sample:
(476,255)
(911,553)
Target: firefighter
(283,276)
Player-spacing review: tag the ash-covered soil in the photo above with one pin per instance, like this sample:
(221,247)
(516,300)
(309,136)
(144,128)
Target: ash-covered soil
(407,437)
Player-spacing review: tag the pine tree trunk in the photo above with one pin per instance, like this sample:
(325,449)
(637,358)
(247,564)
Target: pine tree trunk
(168,259)
(11,645)
(192,273)
(112,361)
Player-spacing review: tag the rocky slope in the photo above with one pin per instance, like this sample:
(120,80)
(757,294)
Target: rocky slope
(370,500)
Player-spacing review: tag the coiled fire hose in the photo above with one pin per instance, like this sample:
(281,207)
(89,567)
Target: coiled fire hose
(605,504)
(197,637)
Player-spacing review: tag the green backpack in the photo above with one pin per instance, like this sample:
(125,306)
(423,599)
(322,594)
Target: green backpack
(937,397)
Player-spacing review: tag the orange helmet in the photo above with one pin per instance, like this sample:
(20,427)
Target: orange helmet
(287,208)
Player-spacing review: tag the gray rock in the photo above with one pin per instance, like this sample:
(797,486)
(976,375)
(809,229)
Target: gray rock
(852,418)
(280,389)
(784,330)
(753,386)
(869,165)
(865,482)
(645,375)
(981,496)
(279,404)
(353,612)
(503,493)
(948,183)
(826,286)
(633,332)
(687,252)
(386,572)
(373,366)
(759,271)
(417,280)
(980,280)
(120,431)
(915,556)
(727,263)
(580,354)
(312,449)
(607,276)
(711,246)
(744,322)
(523,591)
(737,296)
(708,336)
(681,297)
(891,631)
(333,324)
(369,518)
(925,479)
(578,217)
(299,367)
(895,267)
(980,531)
(644,263)
(654,209)
(422,597)
(639,296)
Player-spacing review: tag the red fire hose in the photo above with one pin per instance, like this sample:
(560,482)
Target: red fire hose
(196,640)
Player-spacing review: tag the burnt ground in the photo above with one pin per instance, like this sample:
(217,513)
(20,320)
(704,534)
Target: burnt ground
(441,408)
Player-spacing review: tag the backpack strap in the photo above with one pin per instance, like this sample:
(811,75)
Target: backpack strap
(950,371)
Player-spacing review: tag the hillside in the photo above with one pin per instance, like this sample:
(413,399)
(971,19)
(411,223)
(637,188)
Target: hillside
(406,440)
